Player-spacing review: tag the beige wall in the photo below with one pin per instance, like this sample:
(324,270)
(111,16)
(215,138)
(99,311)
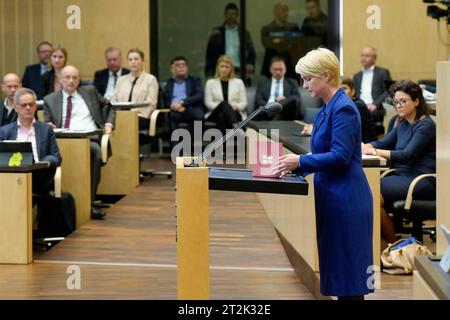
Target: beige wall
(407,42)
(24,23)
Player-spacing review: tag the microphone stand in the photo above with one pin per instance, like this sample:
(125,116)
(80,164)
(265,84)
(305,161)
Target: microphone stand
(196,162)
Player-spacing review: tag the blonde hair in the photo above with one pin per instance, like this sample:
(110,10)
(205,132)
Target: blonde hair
(320,61)
(227,59)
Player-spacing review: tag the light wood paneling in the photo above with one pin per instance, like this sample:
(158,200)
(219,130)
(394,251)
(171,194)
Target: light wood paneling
(443,153)
(192,232)
(407,42)
(120,176)
(16,220)
(76,175)
(104,23)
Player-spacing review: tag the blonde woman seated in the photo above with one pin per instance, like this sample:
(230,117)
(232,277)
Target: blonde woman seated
(225,96)
(138,86)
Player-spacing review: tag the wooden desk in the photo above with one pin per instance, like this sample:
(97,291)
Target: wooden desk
(16,215)
(193,217)
(430,281)
(120,176)
(76,171)
(294,216)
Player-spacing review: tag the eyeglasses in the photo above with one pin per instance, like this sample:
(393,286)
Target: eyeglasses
(401,102)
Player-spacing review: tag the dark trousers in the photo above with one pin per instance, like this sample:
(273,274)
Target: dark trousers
(187,117)
(224,116)
(43,179)
(96,164)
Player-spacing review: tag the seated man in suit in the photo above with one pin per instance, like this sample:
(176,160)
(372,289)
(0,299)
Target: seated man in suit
(183,94)
(281,89)
(81,109)
(370,85)
(10,84)
(40,134)
(105,80)
(33,73)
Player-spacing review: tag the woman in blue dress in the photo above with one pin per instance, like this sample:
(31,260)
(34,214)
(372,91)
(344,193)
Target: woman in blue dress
(343,200)
(411,149)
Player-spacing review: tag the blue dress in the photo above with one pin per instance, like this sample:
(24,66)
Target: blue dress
(343,199)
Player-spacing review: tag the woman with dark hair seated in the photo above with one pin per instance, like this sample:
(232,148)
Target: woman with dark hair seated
(411,149)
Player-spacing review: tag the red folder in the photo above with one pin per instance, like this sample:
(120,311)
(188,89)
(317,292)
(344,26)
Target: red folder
(267,154)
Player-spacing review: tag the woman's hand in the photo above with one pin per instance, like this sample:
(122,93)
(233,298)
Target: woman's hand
(285,164)
(307,129)
(367,148)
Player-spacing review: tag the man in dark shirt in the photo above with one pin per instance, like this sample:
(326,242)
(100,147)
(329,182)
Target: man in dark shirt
(10,84)
(33,73)
(316,23)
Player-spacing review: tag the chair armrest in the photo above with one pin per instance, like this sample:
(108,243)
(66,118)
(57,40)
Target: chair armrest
(387,172)
(153,119)
(409,196)
(104,145)
(57,179)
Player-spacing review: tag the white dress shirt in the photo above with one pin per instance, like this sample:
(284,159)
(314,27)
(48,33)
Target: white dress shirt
(81,118)
(111,85)
(28,135)
(366,85)
(273,87)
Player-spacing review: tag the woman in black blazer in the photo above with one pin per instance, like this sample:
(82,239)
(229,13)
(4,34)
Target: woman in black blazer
(51,80)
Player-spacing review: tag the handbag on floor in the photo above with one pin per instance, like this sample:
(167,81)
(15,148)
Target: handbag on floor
(398,258)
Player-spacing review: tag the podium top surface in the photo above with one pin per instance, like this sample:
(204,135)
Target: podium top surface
(242,180)
(24,169)
(64,133)
(292,139)
(435,277)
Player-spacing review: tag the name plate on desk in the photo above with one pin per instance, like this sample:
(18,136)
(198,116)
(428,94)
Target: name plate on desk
(128,105)
(65,133)
(445,260)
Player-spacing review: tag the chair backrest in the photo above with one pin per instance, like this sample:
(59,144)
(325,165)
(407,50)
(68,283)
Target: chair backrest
(310,115)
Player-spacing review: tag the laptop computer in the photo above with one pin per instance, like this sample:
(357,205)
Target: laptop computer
(15,154)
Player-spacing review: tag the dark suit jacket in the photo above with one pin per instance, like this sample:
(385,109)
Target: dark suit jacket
(290,89)
(101,78)
(45,141)
(48,82)
(194,93)
(216,48)
(3,119)
(98,107)
(379,91)
(32,79)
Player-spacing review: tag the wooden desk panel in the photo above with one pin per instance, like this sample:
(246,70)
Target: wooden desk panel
(120,176)
(16,218)
(76,174)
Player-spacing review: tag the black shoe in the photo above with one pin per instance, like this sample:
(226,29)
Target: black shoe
(97,214)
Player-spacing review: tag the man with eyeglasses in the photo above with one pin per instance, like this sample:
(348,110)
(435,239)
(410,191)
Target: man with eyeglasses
(33,73)
(40,134)
(10,84)
(281,89)
(81,109)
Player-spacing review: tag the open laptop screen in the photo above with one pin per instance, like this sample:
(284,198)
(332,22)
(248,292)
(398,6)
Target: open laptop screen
(15,154)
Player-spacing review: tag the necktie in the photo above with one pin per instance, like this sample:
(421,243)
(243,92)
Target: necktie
(68,112)
(277,89)
(132,88)
(115,78)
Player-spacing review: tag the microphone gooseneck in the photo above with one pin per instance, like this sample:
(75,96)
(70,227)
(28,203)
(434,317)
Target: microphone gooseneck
(271,108)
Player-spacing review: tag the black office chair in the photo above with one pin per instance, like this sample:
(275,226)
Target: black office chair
(413,212)
(158,130)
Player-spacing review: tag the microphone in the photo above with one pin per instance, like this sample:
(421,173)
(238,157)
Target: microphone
(270,109)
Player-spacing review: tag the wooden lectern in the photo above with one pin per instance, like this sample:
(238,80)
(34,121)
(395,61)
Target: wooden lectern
(192,202)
